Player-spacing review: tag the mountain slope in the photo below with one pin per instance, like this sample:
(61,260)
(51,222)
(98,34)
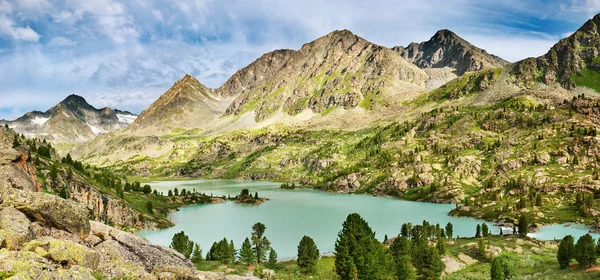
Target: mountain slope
(71,120)
(188,104)
(339,70)
(573,61)
(446,49)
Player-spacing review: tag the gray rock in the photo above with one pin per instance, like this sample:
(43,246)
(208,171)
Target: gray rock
(14,228)
(49,210)
(127,247)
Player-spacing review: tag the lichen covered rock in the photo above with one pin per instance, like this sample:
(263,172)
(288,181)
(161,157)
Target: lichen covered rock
(14,228)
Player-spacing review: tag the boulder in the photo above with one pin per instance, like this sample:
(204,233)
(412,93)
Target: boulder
(14,228)
(16,177)
(452,265)
(121,247)
(49,210)
(169,272)
(8,155)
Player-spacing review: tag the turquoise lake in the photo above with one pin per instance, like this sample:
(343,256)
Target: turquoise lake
(291,214)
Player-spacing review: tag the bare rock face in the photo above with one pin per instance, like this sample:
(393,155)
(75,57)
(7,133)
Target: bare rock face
(446,49)
(104,208)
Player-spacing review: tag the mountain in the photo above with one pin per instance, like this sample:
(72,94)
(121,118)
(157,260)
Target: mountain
(339,70)
(446,49)
(188,104)
(573,61)
(71,120)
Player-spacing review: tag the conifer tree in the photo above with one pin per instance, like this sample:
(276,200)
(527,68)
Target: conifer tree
(196,255)
(523,226)
(246,253)
(565,251)
(182,244)
(358,254)
(585,251)
(308,254)
(272,259)
(478,231)
(496,271)
(449,230)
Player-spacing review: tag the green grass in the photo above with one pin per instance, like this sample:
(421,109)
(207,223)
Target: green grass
(587,77)
(325,270)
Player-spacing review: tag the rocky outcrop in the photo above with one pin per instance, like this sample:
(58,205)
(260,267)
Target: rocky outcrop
(105,208)
(446,49)
(49,210)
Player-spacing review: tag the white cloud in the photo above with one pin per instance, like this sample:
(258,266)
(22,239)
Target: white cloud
(62,42)
(9,28)
(158,15)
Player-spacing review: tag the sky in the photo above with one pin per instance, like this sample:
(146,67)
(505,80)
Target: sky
(125,54)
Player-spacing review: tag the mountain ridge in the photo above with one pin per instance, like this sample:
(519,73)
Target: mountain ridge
(70,121)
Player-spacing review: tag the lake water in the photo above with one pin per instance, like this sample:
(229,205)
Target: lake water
(291,214)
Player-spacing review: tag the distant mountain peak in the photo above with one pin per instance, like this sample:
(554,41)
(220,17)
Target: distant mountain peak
(446,49)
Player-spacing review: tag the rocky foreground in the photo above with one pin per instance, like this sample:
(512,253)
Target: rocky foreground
(43,236)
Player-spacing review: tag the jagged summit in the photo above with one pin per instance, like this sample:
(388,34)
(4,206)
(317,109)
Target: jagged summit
(446,49)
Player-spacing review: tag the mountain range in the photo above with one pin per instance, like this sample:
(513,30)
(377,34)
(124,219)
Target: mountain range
(72,120)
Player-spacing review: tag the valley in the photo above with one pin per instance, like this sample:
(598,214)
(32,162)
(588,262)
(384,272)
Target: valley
(341,133)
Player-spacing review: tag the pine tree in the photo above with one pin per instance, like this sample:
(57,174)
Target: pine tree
(246,253)
(358,254)
(565,251)
(478,231)
(170,193)
(272,259)
(149,207)
(496,271)
(440,246)
(308,254)
(182,244)
(449,230)
(260,242)
(196,255)
(481,248)
(485,230)
(428,262)
(585,251)
(523,226)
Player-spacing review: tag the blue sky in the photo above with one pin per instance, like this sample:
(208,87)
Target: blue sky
(124,54)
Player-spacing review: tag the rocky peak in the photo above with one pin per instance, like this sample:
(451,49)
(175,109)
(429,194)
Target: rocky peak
(186,103)
(446,49)
(570,62)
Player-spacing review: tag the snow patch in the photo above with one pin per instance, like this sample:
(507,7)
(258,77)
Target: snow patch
(39,121)
(128,119)
(96,130)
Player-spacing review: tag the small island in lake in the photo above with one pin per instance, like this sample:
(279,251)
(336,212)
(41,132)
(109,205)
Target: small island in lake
(246,198)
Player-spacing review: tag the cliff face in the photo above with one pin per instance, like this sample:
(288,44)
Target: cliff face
(105,208)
